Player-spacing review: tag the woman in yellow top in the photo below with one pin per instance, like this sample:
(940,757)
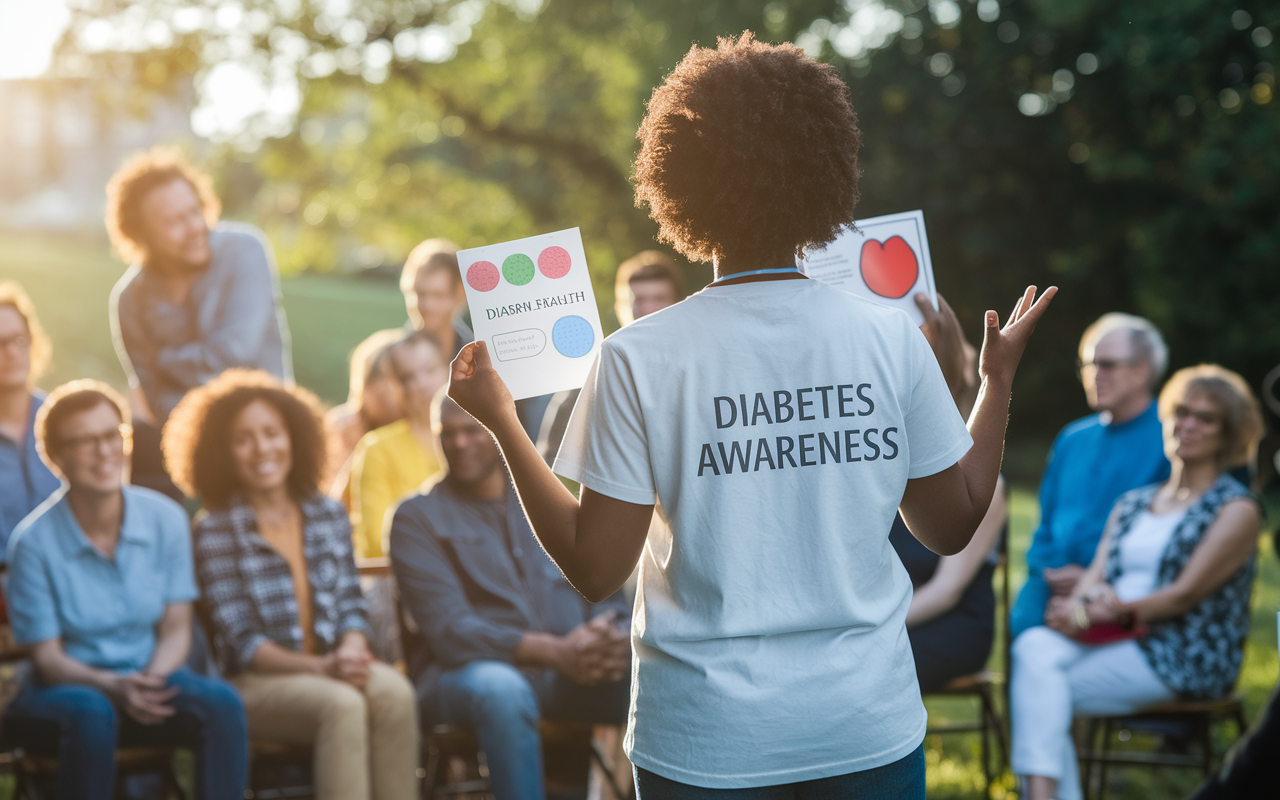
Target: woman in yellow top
(394,460)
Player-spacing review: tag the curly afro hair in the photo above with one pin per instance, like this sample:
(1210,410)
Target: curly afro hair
(135,179)
(748,151)
(197,438)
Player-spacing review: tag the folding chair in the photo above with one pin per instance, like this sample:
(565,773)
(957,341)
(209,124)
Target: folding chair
(985,685)
(1199,716)
(453,762)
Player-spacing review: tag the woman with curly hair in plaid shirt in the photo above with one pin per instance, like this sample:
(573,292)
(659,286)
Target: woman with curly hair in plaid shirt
(275,566)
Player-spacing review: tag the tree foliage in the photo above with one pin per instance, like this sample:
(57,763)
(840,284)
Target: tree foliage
(1121,149)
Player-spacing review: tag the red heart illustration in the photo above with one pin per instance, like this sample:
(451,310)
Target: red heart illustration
(889,269)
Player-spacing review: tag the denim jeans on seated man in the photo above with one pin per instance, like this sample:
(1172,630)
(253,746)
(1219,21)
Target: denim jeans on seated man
(505,640)
(79,725)
(504,705)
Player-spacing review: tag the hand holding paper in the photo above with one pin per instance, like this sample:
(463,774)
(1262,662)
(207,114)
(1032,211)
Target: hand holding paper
(476,386)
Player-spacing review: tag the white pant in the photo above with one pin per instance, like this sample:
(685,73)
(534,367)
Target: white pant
(1056,678)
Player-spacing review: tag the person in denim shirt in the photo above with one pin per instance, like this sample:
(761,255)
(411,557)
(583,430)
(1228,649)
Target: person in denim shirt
(25,480)
(100,588)
(505,639)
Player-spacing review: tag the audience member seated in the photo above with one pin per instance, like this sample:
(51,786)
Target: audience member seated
(1163,611)
(197,299)
(951,621)
(394,460)
(273,556)
(25,480)
(100,587)
(507,640)
(1096,459)
(647,282)
(433,294)
(374,399)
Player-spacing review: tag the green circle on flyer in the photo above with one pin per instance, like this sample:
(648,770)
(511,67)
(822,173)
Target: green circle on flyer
(518,269)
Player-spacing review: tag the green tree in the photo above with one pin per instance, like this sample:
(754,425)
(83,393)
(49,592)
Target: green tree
(1123,150)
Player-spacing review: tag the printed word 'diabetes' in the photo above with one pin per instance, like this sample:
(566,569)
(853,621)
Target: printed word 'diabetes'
(535,305)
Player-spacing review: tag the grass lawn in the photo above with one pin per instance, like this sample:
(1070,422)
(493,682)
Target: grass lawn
(70,278)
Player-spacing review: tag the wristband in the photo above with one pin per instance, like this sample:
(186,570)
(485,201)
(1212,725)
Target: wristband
(1079,616)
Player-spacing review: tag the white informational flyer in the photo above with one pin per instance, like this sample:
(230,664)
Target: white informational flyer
(531,301)
(886,260)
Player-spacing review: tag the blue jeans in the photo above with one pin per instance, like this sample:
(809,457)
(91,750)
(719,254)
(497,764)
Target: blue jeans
(81,727)
(901,780)
(503,707)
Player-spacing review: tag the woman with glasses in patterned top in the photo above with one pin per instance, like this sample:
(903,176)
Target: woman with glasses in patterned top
(1162,613)
(274,560)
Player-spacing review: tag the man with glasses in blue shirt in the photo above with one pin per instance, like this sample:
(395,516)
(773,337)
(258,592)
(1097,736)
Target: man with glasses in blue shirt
(1096,459)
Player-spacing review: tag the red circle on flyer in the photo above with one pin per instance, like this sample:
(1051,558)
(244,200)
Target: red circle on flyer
(482,276)
(554,262)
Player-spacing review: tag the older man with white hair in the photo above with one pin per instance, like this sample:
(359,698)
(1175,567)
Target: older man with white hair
(1096,459)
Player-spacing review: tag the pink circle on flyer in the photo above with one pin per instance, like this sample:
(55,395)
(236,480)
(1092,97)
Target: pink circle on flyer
(554,262)
(482,276)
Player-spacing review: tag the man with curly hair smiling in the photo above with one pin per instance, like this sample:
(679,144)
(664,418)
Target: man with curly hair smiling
(780,423)
(201,296)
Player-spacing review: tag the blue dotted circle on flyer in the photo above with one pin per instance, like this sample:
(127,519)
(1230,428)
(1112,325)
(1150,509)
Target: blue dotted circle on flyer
(573,336)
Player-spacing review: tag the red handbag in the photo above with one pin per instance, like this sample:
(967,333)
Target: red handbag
(1108,632)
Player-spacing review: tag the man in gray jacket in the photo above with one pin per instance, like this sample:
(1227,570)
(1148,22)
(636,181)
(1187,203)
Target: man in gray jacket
(505,640)
(200,298)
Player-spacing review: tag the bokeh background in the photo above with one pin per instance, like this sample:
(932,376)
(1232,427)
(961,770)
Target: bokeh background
(1125,150)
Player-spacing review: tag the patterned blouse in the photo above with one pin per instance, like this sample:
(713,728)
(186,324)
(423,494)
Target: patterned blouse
(1199,654)
(249,589)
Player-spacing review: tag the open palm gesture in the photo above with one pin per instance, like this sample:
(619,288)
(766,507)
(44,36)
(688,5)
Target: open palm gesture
(1002,347)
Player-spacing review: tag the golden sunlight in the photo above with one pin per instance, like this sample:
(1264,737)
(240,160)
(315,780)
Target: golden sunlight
(28,31)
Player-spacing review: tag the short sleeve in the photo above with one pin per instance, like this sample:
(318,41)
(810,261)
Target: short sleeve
(33,610)
(605,446)
(936,434)
(181,578)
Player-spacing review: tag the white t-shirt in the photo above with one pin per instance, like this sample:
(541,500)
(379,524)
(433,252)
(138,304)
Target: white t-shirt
(1140,552)
(778,423)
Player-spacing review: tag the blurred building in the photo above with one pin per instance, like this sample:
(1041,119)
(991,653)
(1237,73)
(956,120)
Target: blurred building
(62,138)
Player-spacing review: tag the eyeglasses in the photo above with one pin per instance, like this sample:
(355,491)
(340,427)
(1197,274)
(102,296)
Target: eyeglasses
(1105,364)
(82,445)
(1181,412)
(21,340)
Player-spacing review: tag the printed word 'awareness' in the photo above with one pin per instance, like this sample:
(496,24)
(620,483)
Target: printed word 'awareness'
(804,450)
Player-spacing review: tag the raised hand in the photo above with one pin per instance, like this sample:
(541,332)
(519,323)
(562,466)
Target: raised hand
(475,385)
(1002,347)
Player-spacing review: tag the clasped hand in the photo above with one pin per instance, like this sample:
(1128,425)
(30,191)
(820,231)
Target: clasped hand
(144,697)
(595,652)
(1100,606)
(349,661)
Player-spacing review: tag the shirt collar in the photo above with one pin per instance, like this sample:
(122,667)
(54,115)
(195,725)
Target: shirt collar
(79,541)
(1144,418)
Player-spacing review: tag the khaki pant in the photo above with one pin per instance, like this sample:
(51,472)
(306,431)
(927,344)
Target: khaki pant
(366,743)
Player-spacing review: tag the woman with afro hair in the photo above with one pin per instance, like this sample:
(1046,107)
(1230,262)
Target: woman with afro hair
(780,423)
(279,580)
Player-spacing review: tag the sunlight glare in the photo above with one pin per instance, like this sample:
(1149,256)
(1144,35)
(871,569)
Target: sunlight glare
(28,31)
